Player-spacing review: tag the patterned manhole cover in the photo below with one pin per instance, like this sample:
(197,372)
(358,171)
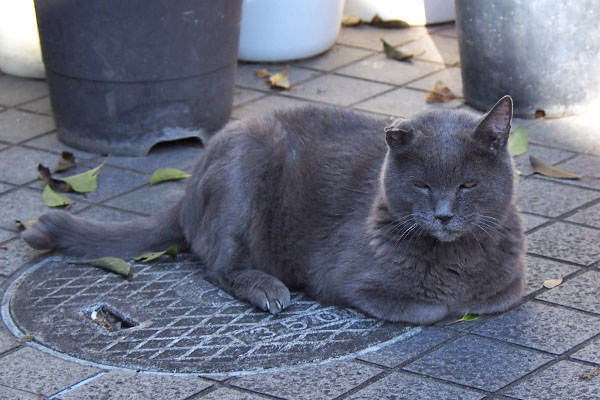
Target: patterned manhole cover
(167,318)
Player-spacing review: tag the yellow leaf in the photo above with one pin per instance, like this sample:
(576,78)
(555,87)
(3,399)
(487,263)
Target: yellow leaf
(280,80)
(350,20)
(552,283)
(440,94)
(262,73)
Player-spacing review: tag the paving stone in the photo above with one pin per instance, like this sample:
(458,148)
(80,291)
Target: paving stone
(560,381)
(15,90)
(451,77)
(381,69)
(245,76)
(468,360)
(242,95)
(4,187)
(17,254)
(394,354)
(150,200)
(19,165)
(402,103)
(369,37)
(41,106)
(338,90)
(111,182)
(552,199)
(6,235)
(590,216)
(7,341)
(25,204)
(449,31)
(578,133)
(566,242)
(15,394)
(51,142)
(436,48)
(33,371)
(547,154)
(532,221)
(335,57)
(17,126)
(266,106)
(541,269)
(118,385)
(178,154)
(542,327)
(580,292)
(404,386)
(318,382)
(230,394)
(107,214)
(585,165)
(591,352)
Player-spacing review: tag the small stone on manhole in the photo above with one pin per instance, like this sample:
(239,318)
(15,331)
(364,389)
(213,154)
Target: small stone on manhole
(107,319)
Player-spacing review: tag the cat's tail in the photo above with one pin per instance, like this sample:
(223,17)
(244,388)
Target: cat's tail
(77,236)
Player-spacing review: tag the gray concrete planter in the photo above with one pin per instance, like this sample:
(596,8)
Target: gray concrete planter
(125,75)
(544,53)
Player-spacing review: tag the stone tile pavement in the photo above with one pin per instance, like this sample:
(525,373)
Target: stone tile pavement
(547,348)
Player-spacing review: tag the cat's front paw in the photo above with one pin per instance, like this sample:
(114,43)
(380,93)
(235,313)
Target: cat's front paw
(260,289)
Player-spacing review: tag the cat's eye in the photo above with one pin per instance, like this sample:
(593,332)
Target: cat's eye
(468,185)
(421,185)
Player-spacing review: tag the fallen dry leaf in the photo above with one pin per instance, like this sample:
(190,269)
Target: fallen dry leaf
(542,168)
(350,20)
(280,80)
(589,375)
(388,24)
(552,283)
(25,338)
(56,184)
(440,94)
(394,54)
(539,114)
(3,248)
(65,162)
(262,73)
(24,224)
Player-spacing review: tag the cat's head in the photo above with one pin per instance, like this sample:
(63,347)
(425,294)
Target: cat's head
(448,174)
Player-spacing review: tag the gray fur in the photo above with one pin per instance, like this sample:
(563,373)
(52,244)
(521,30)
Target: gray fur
(406,222)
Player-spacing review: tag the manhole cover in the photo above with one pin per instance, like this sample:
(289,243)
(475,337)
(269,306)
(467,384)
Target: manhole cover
(167,318)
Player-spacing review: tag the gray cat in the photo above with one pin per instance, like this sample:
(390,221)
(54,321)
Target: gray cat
(408,221)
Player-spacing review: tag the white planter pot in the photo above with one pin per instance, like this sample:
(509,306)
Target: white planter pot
(414,12)
(20,52)
(280,30)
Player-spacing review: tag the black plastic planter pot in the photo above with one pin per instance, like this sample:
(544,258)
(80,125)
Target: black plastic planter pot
(544,53)
(126,74)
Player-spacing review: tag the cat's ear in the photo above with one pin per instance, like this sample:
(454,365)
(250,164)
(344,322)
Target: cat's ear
(399,133)
(494,127)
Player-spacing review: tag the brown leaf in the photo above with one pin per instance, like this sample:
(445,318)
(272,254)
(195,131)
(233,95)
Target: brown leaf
(65,162)
(262,73)
(25,338)
(539,114)
(388,24)
(21,225)
(552,283)
(350,20)
(3,248)
(542,168)
(56,184)
(440,94)
(589,375)
(394,54)
(280,80)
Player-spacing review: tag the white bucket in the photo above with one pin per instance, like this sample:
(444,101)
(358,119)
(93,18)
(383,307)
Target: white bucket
(280,30)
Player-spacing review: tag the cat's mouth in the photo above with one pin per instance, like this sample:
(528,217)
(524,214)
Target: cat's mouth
(447,235)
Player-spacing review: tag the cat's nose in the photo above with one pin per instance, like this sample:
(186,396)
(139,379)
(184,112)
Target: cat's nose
(444,218)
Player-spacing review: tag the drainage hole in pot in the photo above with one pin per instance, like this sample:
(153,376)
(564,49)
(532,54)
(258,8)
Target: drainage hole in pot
(108,319)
